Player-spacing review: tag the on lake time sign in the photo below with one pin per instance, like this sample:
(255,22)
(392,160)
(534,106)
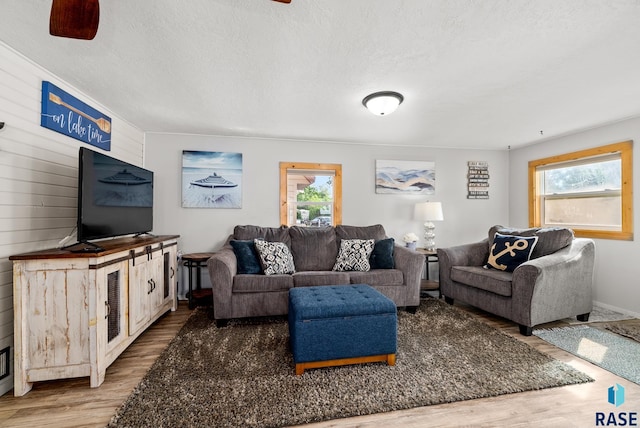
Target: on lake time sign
(68,115)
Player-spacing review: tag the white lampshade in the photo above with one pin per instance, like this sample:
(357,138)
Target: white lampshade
(428,211)
(383,103)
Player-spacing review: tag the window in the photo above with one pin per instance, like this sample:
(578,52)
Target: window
(310,194)
(589,191)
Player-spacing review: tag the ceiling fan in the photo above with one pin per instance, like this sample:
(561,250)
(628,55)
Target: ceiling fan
(78,19)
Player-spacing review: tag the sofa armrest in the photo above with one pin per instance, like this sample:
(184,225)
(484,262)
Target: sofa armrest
(223,267)
(411,264)
(555,286)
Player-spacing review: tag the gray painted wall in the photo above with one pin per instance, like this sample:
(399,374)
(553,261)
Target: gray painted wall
(205,229)
(465,220)
(39,174)
(617,267)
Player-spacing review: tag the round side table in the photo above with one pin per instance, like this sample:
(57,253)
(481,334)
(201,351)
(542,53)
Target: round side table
(196,261)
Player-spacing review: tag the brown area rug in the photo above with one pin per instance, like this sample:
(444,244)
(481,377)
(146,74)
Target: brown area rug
(630,329)
(243,374)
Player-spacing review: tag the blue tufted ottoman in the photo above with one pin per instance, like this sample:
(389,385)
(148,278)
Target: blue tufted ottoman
(341,324)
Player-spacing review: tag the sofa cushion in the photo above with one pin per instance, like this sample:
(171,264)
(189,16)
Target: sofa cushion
(378,277)
(261,283)
(247,257)
(354,255)
(273,234)
(492,280)
(311,278)
(360,232)
(510,251)
(382,254)
(313,248)
(550,239)
(275,257)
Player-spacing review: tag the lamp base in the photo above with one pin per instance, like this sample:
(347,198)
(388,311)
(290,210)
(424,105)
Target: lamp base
(429,236)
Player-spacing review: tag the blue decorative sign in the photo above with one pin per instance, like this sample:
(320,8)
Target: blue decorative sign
(68,115)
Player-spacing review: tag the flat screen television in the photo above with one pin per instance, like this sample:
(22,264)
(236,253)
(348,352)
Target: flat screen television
(114,197)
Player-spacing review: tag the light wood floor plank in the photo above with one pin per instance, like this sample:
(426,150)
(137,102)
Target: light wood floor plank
(72,403)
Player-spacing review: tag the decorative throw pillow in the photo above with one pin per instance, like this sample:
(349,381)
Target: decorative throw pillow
(275,257)
(354,255)
(508,252)
(382,254)
(247,257)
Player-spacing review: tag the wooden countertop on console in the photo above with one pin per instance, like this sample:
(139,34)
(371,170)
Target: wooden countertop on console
(109,245)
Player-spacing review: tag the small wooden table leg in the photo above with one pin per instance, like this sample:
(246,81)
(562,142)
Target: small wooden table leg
(391,359)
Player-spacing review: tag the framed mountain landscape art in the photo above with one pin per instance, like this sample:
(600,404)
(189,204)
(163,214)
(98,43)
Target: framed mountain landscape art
(211,179)
(406,177)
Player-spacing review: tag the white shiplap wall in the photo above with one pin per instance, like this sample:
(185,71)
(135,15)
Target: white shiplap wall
(38,173)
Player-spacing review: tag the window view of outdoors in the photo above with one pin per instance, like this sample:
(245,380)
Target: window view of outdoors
(589,191)
(585,195)
(592,177)
(310,194)
(314,202)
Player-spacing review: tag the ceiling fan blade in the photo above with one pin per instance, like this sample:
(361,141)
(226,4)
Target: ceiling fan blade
(76,19)
(283,1)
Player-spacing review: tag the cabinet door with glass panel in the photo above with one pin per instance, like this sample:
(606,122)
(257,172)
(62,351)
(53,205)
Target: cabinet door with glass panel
(310,194)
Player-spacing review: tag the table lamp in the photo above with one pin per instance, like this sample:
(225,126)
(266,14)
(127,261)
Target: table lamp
(429,212)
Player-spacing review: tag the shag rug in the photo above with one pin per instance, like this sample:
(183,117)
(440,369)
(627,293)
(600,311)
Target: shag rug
(599,314)
(614,353)
(243,374)
(630,329)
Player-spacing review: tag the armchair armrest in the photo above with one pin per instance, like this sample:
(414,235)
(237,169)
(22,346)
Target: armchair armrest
(222,266)
(557,285)
(474,254)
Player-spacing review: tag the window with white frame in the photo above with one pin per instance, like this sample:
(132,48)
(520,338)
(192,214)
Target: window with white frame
(588,191)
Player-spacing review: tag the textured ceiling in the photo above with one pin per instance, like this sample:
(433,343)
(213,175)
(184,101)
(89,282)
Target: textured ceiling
(483,74)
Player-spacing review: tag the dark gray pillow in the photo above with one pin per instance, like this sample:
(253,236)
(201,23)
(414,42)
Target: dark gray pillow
(360,232)
(313,248)
(274,234)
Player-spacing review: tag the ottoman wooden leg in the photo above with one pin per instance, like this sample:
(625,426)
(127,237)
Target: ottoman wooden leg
(390,359)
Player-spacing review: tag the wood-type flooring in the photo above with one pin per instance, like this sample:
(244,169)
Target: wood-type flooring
(72,403)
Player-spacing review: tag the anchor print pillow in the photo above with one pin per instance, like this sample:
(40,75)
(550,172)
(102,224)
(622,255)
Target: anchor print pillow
(508,252)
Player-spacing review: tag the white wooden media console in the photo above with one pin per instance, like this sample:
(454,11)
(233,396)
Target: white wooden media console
(75,313)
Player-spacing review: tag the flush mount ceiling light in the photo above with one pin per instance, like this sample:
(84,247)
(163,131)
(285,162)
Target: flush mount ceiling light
(382,103)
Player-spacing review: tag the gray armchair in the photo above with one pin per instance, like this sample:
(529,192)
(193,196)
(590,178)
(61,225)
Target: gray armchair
(555,283)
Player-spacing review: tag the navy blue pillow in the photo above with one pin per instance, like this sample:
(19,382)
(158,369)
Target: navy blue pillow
(508,252)
(247,257)
(382,254)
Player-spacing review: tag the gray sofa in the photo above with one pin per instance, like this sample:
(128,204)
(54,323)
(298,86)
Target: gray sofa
(314,251)
(555,283)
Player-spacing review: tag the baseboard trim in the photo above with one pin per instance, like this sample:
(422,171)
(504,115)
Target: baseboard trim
(617,309)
